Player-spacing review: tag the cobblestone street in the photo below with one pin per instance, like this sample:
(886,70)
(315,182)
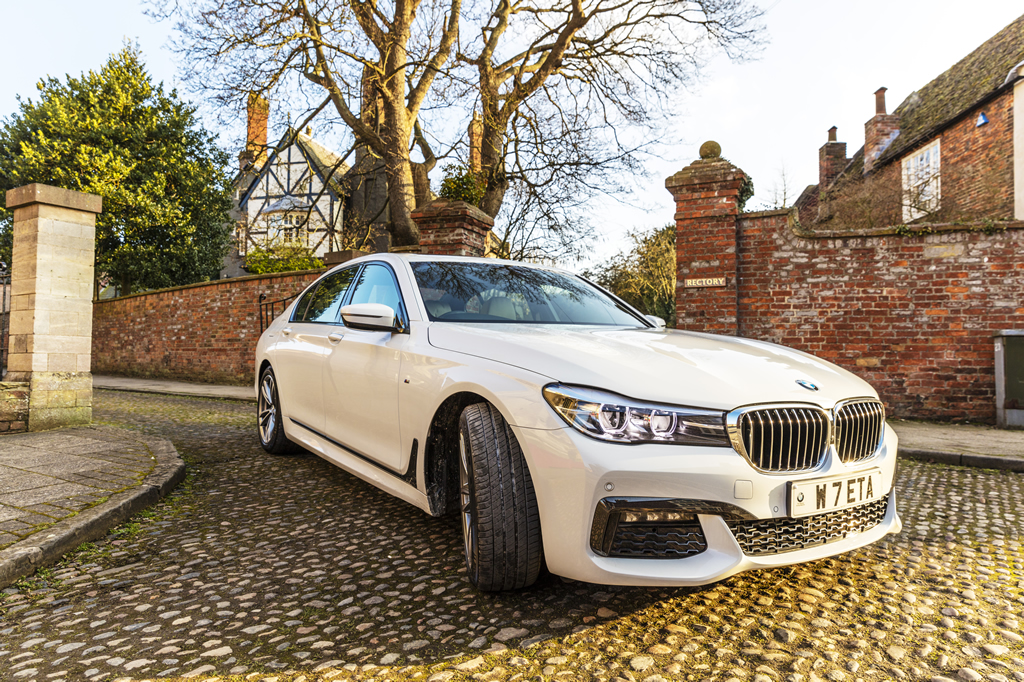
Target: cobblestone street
(286,568)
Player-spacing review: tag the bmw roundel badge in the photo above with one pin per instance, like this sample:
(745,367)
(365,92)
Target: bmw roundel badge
(806,384)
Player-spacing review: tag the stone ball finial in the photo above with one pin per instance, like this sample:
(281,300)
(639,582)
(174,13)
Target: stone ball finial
(710,150)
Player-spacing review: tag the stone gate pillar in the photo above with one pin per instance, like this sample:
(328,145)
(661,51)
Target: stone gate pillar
(51,302)
(707,205)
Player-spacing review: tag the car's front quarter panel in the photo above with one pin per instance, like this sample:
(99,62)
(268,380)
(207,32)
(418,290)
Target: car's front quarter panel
(432,375)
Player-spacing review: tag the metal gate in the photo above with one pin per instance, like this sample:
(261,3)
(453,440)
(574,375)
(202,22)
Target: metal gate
(271,309)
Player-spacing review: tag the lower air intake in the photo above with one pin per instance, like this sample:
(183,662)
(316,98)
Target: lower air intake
(776,536)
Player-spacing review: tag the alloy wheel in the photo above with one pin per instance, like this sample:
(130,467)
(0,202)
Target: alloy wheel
(466,503)
(267,408)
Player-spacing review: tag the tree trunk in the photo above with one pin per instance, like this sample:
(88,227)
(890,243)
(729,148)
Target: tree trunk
(492,162)
(397,134)
(402,200)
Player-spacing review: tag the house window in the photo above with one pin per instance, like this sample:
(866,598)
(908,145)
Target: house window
(295,219)
(921,182)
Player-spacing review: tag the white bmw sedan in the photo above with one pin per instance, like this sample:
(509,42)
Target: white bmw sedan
(569,430)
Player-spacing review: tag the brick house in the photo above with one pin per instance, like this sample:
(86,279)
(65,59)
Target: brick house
(952,151)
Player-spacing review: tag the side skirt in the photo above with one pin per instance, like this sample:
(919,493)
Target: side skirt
(409,476)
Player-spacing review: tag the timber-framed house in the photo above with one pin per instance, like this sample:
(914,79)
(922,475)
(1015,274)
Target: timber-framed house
(296,197)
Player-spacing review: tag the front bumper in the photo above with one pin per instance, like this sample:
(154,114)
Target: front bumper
(575,477)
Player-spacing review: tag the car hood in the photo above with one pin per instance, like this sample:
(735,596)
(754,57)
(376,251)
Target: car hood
(657,365)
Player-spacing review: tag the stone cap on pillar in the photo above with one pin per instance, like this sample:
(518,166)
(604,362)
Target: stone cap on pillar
(445,208)
(710,167)
(37,193)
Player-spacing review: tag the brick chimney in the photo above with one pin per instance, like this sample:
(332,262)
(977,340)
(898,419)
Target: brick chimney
(879,132)
(257,115)
(831,161)
(476,136)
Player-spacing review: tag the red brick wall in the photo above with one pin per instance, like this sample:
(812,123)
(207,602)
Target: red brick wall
(201,332)
(912,315)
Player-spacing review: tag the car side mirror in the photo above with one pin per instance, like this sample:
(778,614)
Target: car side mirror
(370,316)
(656,321)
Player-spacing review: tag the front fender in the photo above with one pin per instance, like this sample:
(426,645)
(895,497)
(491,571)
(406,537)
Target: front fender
(428,382)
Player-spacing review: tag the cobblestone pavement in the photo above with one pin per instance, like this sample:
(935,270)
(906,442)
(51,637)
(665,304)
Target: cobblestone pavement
(286,568)
(46,477)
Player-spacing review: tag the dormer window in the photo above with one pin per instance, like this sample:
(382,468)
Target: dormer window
(921,182)
(295,219)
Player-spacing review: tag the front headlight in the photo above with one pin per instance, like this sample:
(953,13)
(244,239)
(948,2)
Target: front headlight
(615,418)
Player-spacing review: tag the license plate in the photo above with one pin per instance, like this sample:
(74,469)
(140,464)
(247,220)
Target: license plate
(823,495)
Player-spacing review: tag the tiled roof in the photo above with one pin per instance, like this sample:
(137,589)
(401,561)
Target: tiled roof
(329,164)
(326,163)
(289,203)
(978,74)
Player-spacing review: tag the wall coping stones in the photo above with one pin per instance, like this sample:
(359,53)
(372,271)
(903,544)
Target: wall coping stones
(444,208)
(915,230)
(215,282)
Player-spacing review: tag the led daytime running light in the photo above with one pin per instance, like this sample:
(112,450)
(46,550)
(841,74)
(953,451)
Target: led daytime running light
(610,417)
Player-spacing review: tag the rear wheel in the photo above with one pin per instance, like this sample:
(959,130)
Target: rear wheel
(498,506)
(269,417)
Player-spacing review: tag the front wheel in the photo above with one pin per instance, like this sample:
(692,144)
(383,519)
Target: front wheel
(269,417)
(500,521)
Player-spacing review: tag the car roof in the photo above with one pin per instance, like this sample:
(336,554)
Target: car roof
(431,258)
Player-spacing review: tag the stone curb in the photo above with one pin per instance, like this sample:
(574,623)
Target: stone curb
(179,394)
(24,557)
(1005,463)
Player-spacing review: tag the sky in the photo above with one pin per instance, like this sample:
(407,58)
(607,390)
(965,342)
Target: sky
(821,66)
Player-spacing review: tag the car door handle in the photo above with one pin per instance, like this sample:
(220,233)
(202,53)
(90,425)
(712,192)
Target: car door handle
(286,331)
(335,337)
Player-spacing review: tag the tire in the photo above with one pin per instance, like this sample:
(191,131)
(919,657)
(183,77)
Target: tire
(268,417)
(497,503)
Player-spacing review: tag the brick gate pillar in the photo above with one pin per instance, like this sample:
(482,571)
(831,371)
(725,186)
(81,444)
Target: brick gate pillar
(51,302)
(707,205)
(452,228)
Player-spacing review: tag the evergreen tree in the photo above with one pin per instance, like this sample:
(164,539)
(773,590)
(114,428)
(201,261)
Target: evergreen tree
(162,178)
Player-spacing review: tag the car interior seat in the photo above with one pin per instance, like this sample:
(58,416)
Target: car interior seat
(437,308)
(500,306)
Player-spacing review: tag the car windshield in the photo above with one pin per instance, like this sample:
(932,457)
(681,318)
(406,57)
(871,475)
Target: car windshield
(456,291)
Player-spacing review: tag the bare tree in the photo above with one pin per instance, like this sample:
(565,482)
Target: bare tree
(571,91)
(587,66)
(780,194)
(394,52)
